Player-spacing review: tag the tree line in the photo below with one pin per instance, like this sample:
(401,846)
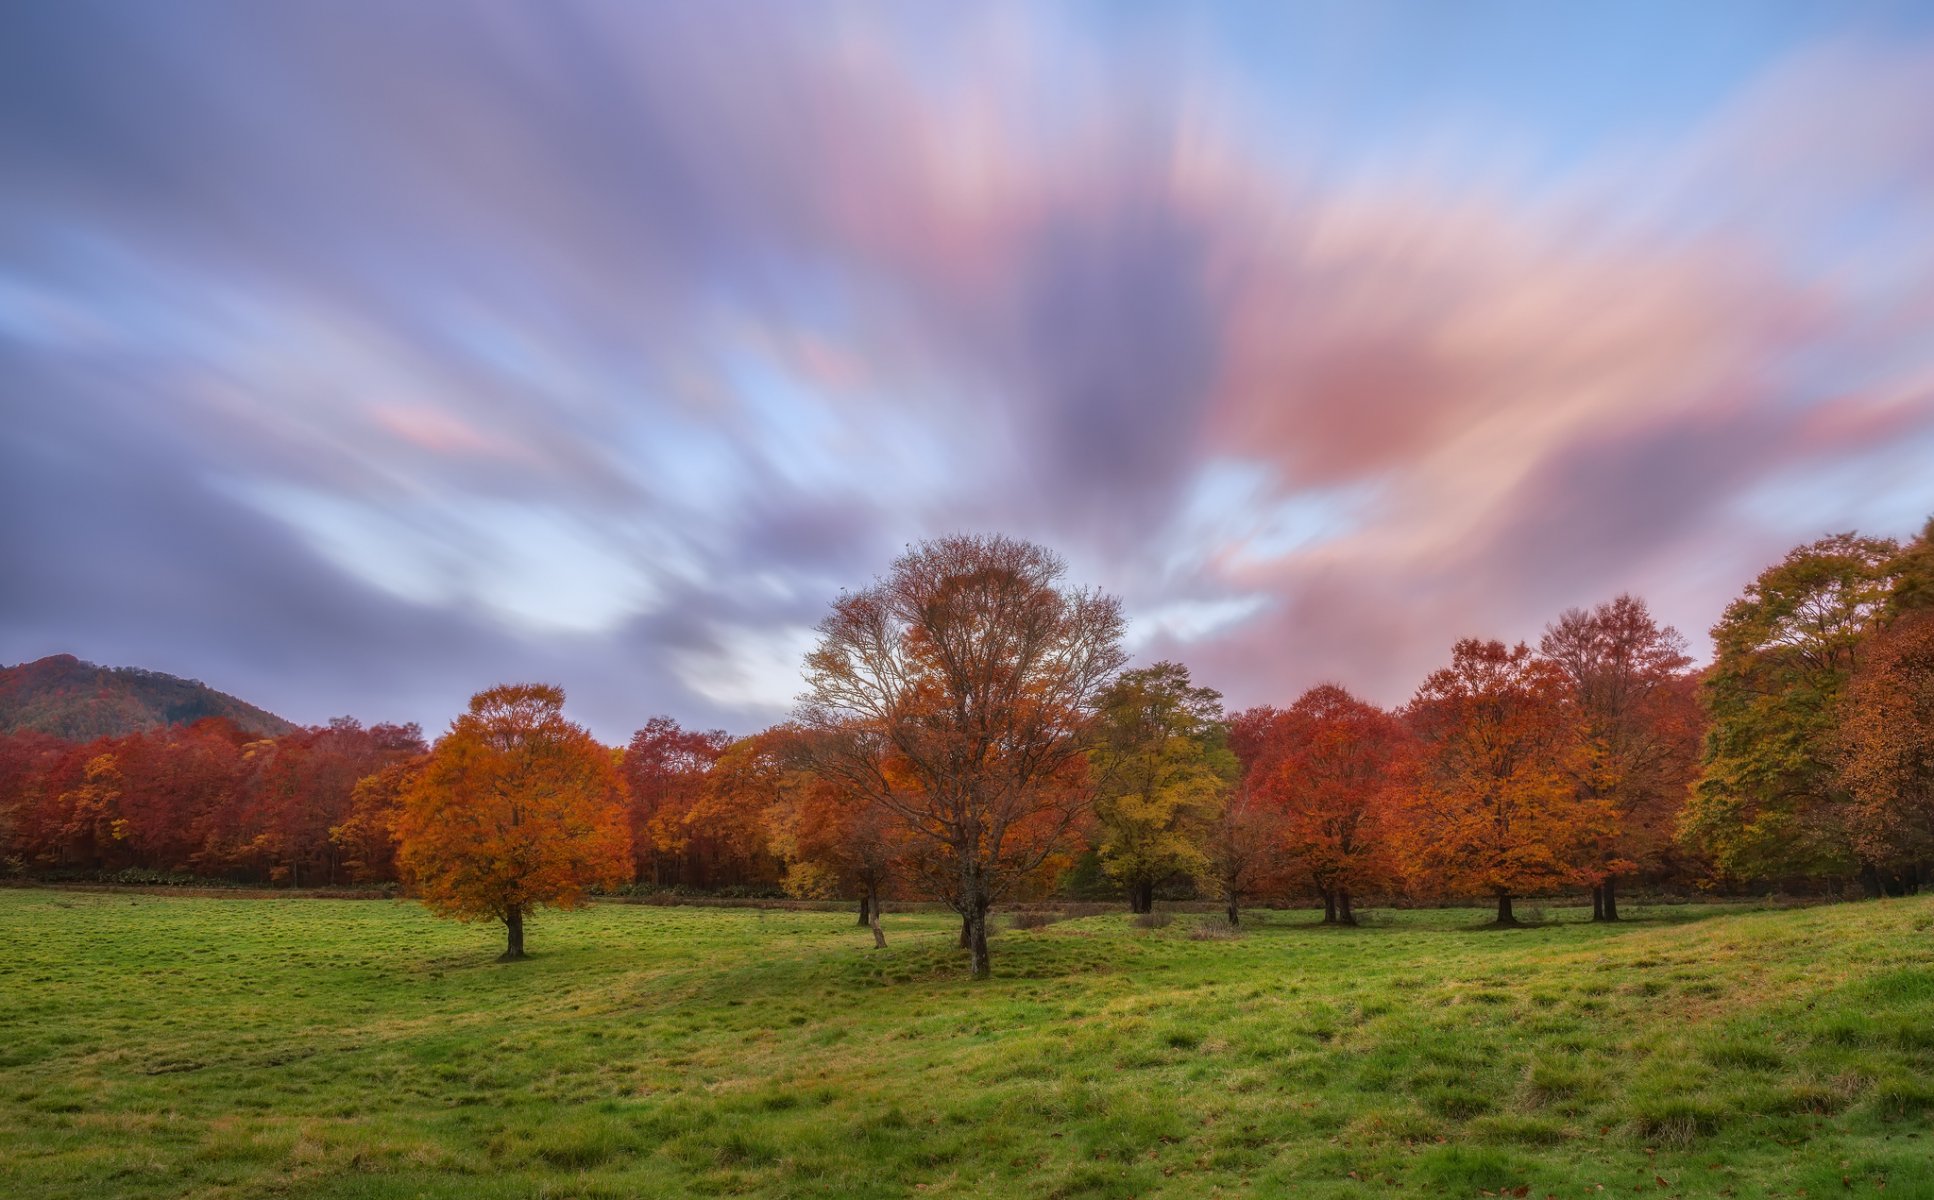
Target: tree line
(970,734)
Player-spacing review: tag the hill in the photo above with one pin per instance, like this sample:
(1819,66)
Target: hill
(333,1048)
(79,701)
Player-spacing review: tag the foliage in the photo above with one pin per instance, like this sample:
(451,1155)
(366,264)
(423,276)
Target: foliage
(516,809)
(956,693)
(1768,802)
(665,769)
(204,799)
(1885,750)
(1162,768)
(1494,811)
(1639,724)
(78,701)
(1333,769)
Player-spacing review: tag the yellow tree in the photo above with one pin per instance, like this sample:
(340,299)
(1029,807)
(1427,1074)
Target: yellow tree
(516,809)
(1162,770)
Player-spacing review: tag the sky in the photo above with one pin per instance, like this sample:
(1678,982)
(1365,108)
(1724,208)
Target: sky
(357,356)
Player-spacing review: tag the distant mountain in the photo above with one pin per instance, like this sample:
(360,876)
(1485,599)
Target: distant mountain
(79,701)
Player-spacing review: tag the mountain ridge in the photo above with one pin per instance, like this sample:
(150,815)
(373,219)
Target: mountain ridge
(79,701)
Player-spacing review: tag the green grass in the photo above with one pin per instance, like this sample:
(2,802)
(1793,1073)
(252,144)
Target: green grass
(158,1046)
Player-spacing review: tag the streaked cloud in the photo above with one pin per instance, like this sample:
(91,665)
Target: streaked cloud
(355,364)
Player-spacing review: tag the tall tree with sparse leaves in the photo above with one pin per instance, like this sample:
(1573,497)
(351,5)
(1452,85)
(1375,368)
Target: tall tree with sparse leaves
(1639,723)
(958,693)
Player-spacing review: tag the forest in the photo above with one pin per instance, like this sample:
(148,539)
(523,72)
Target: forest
(970,736)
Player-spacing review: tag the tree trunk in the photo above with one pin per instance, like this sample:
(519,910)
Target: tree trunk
(1504,909)
(1345,915)
(865,901)
(1598,902)
(966,932)
(871,904)
(1235,911)
(514,925)
(1141,896)
(977,926)
(1870,881)
(1329,908)
(1611,900)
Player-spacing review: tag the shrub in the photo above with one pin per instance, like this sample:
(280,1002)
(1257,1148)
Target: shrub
(1033,919)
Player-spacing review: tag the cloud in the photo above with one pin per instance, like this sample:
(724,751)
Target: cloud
(353,365)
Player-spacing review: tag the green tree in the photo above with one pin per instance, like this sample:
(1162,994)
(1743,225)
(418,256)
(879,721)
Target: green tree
(1769,802)
(1913,572)
(1163,770)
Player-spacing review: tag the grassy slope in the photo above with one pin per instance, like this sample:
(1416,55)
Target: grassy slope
(153,1046)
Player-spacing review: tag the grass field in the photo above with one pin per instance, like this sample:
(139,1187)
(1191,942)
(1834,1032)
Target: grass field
(160,1046)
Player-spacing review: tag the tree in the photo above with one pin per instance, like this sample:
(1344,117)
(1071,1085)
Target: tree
(516,809)
(665,768)
(1162,768)
(957,692)
(303,785)
(1242,852)
(1334,771)
(366,837)
(834,841)
(1913,574)
(1769,801)
(1640,725)
(1885,756)
(1494,811)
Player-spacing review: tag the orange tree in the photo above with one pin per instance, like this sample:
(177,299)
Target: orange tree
(517,808)
(833,841)
(1886,756)
(1494,811)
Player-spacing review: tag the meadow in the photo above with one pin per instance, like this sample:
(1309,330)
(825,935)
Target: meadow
(155,1046)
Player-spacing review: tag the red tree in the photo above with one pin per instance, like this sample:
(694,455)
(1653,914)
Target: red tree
(664,770)
(1334,773)
(1640,726)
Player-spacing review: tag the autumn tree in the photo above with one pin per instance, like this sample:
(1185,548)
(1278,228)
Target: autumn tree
(517,808)
(1334,772)
(1770,801)
(1885,757)
(665,769)
(957,692)
(366,836)
(835,841)
(1493,809)
(1242,849)
(302,786)
(1162,769)
(1639,726)
(92,819)
(1913,575)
